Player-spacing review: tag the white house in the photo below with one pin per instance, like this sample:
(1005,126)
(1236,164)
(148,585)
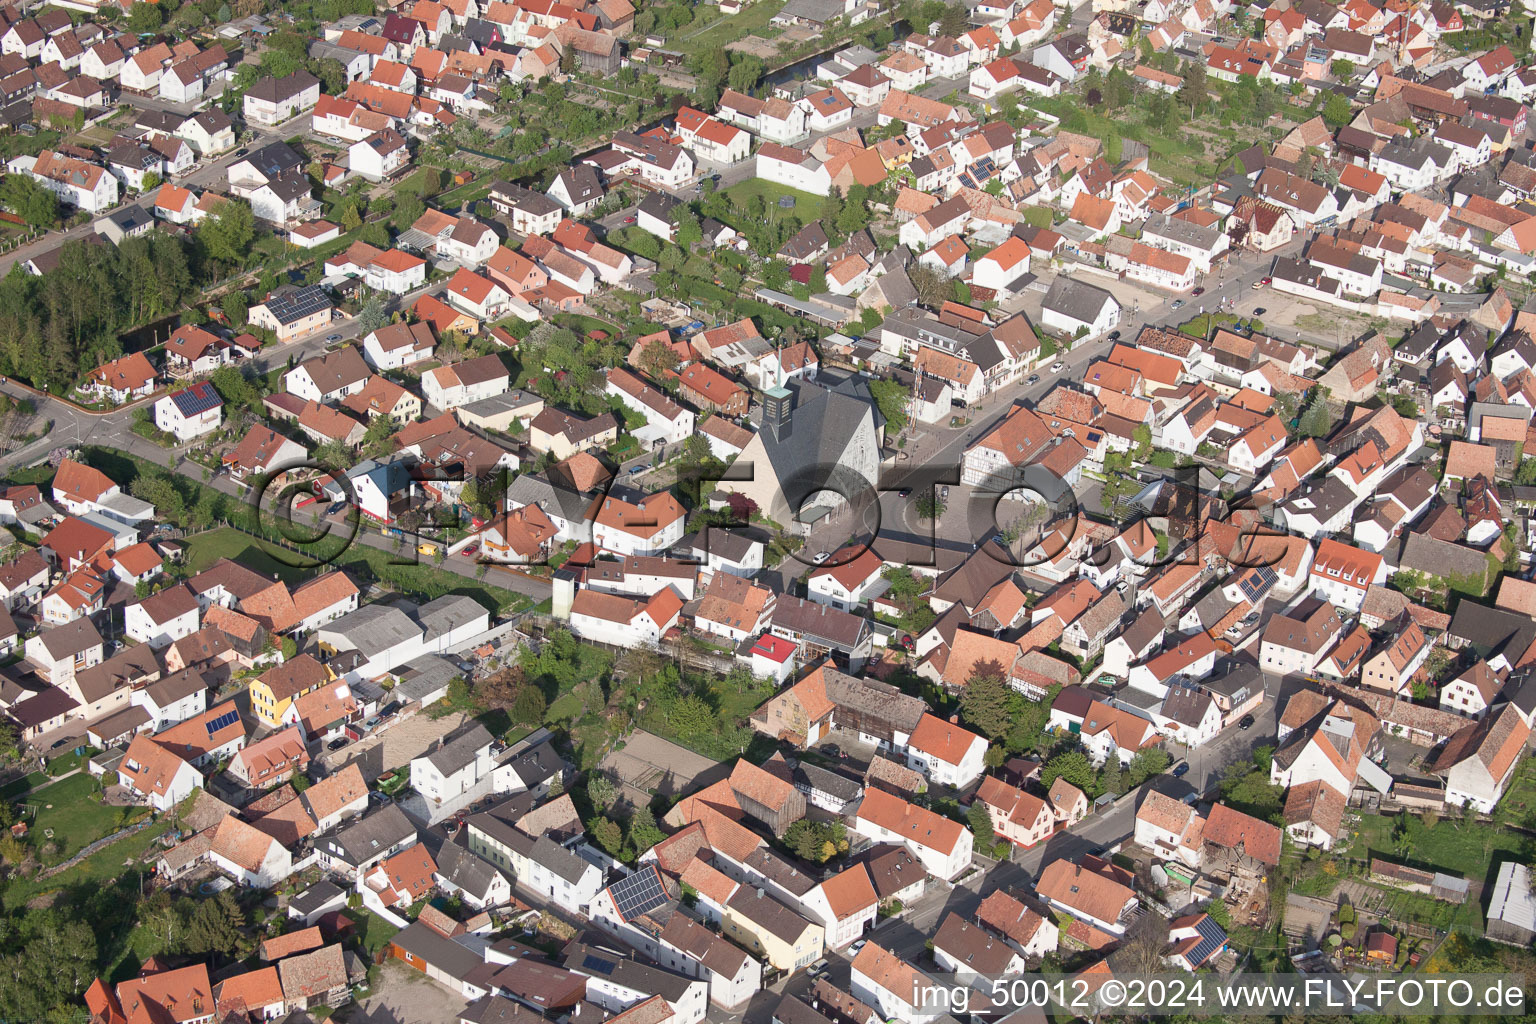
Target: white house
(190,413)
(161,619)
(1072,307)
(464,383)
(398,345)
(272,101)
(622,621)
(946,753)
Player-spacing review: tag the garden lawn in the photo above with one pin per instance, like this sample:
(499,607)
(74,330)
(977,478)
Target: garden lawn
(373,931)
(1465,849)
(76,815)
(102,866)
(753,20)
(16,787)
(807,206)
(1519,804)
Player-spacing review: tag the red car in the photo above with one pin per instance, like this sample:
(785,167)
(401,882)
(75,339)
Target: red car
(1198,291)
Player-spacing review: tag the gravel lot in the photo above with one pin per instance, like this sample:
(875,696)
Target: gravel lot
(404,996)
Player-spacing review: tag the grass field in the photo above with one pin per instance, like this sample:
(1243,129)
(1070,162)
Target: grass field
(419,580)
(1519,804)
(97,869)
(74,811)
(373,931)
(807,206)
(753,20)
(1466,849)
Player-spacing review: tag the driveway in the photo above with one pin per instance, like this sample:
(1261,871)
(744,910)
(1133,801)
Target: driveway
(405,996)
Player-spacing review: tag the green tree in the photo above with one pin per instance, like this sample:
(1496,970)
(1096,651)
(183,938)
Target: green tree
(745,73)
(1337,111)
(336,455)
(235,307)
(145,18)
(1147,763)
(608,834)
(333,77)
(528,706)
(981,825)
(692,716)
(929,506)
(46,964)
(233,387)
(891,399)
(408,208)
(227,235)
(601,790)
(1317,418)
(954,20)
(372,316)
(28,200)
(375,234)
(987,703)
(215,925)
(643,833)
(1073,766)
(1192,93)
(378,440)
(1342,69)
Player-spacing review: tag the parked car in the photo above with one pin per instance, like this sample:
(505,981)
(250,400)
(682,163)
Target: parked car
(337,743)
(1177,304)
(334,337)
(1181,769)
(1246,723)
(1114,335)
(1257,285)
(1259,311)
(821,556)
(1200,290)
(1033,378)
(1058,366)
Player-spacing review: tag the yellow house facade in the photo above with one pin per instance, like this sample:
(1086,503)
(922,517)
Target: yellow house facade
(274,691)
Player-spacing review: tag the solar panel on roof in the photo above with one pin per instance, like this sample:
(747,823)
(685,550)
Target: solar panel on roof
(597,963)
(225,720)
(1256,583)
(298,304)
(637,894)
(1212,938)
(198,398)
